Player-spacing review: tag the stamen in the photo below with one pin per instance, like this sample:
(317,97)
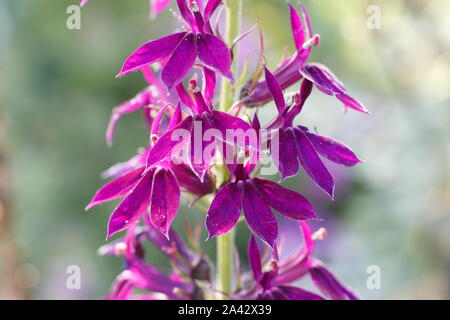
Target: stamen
(320,234)
(120,248)
(314,41)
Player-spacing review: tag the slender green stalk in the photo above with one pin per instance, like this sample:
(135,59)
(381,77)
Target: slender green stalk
(233,10)
(225,243)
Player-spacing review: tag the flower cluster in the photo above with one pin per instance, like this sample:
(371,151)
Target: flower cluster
(213,152)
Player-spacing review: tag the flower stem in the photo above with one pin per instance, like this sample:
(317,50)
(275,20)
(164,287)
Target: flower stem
(225,243)
(233,9)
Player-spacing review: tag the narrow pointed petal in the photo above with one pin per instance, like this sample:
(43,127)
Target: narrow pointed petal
(197,157)
(84,2)
(209,85)
(254,258)
(275,90)
(210,8)
(329,84)
(258,215)
(116,188)
(224,210)
(333,150)
(329,285)
(294,293)
(158,6)
(189,181)
(312,164)
(285,158)
(214,53)
(298,33)
(151,52)
(186,12)
(185,98)
(163,148)
(287,202)
(176,117)
(180,63)
(225,122)
(165,200)
(142,99)
(132,207)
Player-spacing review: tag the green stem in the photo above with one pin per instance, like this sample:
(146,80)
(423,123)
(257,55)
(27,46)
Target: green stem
(225,263)
(233,10)
(225,243)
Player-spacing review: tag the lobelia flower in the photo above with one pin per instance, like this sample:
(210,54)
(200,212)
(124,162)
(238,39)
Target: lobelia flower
(293,68)
(154,188)
(274,282)
(187,267)
(199,132)
(255,196)
(179,51)
(297,145)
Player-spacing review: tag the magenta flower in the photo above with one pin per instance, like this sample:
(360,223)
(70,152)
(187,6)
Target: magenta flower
(296,145)
(275,281)
(292,69)
(179,51)
(180,284)
(255,196)
(138,185)
(188,139)
(204,118)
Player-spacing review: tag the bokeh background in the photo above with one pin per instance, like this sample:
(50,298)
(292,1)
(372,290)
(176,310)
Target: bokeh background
(57,89)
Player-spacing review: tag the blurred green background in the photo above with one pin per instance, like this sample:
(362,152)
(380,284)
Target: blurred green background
(57,89)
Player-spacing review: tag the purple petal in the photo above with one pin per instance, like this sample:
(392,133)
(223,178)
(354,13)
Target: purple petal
(285,158)
(275,90)
(294,293)
(209,85)
(333,150)
(157,6)
(151,52)
(329,285)
(197,157)
(165,200)
(211,7)
(185,98)
(176,117)
(328,83)
(289,203)
(84,2)
(225,122)
(214,53)
(189,181)
(117,188)
(142,99)
(254,258)
(224,210)
(162,150)
(149,278)
(258,215)
(186,12)
(312,164)
(297,28)
(180,63)
(132,207)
